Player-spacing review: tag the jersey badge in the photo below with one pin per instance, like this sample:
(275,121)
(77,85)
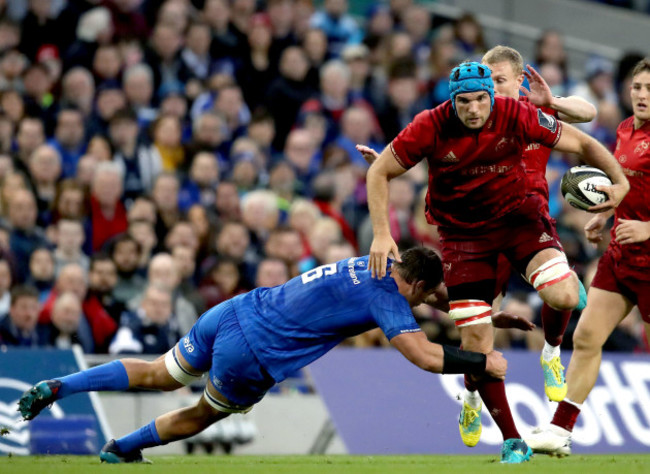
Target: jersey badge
(547,121)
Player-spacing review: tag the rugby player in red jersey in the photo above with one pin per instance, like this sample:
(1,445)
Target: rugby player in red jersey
(508,74)
(623,276)
(477,196)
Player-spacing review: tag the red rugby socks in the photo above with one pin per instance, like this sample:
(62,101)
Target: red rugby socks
(493,393)
(566,414)
(554,323)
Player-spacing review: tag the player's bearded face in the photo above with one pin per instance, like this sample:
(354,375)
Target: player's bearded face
(473,108)
(640,93)
(506,82)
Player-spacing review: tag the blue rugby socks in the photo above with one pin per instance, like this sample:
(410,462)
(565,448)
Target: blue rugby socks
(145,437)
(108,377)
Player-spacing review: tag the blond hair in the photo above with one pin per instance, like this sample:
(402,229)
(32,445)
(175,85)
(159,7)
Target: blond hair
(502,53)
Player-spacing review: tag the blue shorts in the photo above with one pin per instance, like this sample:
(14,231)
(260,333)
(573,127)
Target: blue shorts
(216,343)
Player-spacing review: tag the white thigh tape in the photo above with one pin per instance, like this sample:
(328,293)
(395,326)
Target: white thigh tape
(177,372)
(470,312)
(551,272)
(224,407)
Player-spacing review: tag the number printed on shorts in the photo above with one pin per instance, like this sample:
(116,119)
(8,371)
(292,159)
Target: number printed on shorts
(318,272)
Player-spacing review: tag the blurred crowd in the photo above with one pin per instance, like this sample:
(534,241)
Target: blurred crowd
(160,157)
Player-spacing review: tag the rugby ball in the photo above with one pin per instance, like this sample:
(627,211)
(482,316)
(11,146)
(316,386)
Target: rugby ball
(579,186)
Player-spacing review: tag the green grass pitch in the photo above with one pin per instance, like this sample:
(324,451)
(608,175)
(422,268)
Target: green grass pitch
(619,464)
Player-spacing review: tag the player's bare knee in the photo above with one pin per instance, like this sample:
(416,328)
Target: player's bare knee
(562,298)
(586,339)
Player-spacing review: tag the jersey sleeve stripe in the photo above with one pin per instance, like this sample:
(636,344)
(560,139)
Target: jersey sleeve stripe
(397,157)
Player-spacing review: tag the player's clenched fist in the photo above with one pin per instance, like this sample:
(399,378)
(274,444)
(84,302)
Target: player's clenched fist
(496,365)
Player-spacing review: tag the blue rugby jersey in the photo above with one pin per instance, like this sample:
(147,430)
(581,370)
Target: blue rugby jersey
(291,325)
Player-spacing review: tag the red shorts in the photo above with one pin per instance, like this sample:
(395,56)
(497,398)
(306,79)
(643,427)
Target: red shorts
(611,276)
(471,256)
(505,268)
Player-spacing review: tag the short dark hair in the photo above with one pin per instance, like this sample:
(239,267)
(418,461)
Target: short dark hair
(420,264)
(100,257)
(23,291)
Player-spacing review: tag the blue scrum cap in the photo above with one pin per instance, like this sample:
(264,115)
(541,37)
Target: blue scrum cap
(470,77)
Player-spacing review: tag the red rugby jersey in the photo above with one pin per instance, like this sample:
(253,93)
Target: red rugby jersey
(536,158)
(633,153)
(475,176)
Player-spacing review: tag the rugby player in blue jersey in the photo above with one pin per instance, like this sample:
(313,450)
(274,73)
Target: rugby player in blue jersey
(255,340)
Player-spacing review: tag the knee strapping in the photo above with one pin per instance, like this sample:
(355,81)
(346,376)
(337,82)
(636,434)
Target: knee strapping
(470,312)
(177,371)
(224,407)
(550,273)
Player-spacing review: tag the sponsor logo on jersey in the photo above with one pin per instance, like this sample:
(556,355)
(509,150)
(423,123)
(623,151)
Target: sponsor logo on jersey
(450,158)
(622,158)
(642,147)
(547,121)
(352,272)
(503,143)
(545,238)
(533,146)
(188,345)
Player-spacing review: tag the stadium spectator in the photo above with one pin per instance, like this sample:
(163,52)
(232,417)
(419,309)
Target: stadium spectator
(288,92)
(223,280)
(149,329)
(102,279)
(18,327)
(107,213)
(163,273)
(339,26)
(45,171)
(30,135)
(69,139)
(258,69)
(72,278)
(166,131)
(165,197)
(140,164)
(69,241)
(227,202)
(144,233)
(285,244)
(271,272)
(25,236)
(78,90)
(185,260)
(69,201)
(67,326)
(125,252)
(41,272)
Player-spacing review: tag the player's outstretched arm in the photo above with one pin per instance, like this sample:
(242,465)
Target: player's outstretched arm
(379,174)
(593,153)
(446,359)
(571,109)
(368,153)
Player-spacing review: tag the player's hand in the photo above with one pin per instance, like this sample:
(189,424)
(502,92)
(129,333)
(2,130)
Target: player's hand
(496,365)
(368,153)
(632,232)
(540,93)
(504,320)
(381,247)
(615,194)
(594,228)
